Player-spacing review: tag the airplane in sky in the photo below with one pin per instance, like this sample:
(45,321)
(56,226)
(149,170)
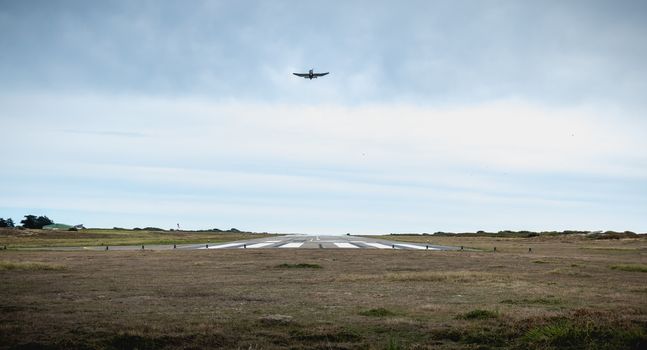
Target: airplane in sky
(310,75)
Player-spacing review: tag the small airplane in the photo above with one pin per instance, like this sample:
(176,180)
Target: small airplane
(310,75)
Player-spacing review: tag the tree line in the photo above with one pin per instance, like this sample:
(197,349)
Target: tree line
(30,221)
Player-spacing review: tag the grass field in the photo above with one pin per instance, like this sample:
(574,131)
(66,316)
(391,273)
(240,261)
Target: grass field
(16,239)
(569,292)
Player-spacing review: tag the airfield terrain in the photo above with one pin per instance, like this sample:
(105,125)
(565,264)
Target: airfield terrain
(568,292)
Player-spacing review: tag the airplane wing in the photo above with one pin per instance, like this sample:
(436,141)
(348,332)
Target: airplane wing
(320,74)
(302,75)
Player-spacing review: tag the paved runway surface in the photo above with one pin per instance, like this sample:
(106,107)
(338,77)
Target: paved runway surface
(290,242)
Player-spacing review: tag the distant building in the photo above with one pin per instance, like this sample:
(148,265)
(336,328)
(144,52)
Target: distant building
(79,227)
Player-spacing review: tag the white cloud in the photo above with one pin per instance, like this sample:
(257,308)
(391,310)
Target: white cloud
(369,166)
(509,136)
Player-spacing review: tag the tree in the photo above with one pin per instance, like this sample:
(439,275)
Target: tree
(6,223)
(31,221)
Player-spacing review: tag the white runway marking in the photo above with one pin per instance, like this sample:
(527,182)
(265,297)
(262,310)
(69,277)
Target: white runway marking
(378,245)
(410,246)
(229,245)
(292,245)
(346,245)
(260,245)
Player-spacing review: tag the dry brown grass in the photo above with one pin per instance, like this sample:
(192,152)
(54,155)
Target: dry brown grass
(230,299)
(28,265)
(28,238)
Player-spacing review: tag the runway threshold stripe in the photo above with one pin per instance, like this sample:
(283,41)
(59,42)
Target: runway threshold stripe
(260,245)
(345,245)
(378,245)
(410,246)
(228,245)
(292,245)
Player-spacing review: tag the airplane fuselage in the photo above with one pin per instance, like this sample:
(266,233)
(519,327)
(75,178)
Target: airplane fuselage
(310,75)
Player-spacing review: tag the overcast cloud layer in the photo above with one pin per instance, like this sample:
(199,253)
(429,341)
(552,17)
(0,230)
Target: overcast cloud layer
(436,115)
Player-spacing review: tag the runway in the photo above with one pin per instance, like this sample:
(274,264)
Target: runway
(281,242)
(295,242)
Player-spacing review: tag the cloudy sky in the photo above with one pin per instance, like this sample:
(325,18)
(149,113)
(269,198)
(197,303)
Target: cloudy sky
(436,116)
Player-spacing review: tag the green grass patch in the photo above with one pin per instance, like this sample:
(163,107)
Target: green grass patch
(479,314)
(326,335)
(571,334)
(394,344)
(379,312)
(298,266)
(630,267)
(144,342)
(28,266)
(581,329)
(536,301)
